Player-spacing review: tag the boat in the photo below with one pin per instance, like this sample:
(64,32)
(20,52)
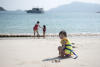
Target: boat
(35,10)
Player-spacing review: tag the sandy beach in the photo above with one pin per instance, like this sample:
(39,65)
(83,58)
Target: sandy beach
(30,52)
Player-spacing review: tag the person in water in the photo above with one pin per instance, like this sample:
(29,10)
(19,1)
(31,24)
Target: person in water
(44,30)
(66,48)
(35,28)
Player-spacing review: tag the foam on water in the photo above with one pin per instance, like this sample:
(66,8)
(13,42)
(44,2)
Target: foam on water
(49,35)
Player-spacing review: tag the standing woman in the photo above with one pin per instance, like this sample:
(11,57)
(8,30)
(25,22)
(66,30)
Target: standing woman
(35,28)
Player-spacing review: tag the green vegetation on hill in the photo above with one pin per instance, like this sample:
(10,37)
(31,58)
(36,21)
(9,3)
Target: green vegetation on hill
(2,9)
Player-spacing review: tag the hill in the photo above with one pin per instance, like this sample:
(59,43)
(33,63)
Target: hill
(77,7)
(2,9)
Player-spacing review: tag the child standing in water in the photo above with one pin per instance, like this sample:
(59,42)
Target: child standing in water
(66,48)
(35,28)
(44,30)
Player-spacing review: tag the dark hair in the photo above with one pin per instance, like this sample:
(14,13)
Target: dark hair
(38,22)
(63,32)
(44,26)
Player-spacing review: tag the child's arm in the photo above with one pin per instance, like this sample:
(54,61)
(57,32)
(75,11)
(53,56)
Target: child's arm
(63,44)
(63,47)
(40,26)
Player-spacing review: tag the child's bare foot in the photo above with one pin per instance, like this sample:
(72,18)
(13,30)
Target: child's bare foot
(61,56)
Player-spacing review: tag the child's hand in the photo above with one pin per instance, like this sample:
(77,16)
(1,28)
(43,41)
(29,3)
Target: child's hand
(41,27)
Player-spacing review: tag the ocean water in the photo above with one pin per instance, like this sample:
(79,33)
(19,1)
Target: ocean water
(16,22)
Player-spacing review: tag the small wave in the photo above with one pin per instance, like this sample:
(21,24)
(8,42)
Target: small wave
(49,35)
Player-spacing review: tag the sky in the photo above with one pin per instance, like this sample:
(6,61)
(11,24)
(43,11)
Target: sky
(46,4)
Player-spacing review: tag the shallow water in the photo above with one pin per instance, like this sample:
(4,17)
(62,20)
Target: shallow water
(16,22)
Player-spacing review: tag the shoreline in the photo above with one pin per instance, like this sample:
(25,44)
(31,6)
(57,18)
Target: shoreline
(49,35)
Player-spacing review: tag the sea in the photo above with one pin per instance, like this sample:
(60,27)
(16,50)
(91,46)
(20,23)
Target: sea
(20,22)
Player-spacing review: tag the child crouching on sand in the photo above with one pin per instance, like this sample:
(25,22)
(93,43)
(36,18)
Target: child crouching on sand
(66,48)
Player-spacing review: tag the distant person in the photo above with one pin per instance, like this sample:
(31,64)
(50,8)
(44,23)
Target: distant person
(44,30)
(66,48)
(35,29)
